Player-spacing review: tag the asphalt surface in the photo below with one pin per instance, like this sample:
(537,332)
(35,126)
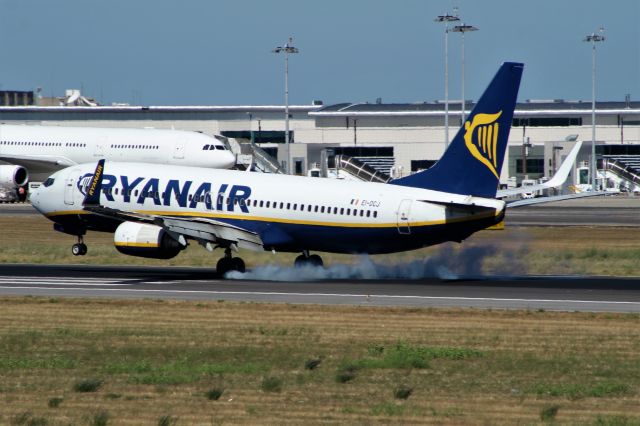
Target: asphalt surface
(550,293)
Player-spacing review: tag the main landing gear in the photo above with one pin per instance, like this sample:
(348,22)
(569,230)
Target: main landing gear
(228,263)
(308,260)
(80,248)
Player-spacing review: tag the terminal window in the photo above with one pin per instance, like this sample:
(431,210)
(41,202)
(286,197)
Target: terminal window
(534,165)
(547,121)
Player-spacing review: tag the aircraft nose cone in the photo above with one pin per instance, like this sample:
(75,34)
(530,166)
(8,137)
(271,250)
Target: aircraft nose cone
(36,200)
(229,160)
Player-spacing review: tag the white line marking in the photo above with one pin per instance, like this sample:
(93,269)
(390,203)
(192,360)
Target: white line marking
(365,296)
(61,279)
(78,284)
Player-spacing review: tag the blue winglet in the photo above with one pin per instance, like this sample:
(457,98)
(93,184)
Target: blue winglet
(92,198)
(472,163)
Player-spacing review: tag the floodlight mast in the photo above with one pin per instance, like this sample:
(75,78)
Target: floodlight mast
(446,18)
(594,38)
(464,28)
(286,49)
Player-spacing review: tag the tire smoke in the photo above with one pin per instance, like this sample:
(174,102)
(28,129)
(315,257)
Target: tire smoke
(448,263)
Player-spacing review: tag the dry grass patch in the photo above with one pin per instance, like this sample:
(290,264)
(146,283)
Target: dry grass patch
(246,363)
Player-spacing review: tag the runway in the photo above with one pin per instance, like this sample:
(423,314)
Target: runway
(606,294)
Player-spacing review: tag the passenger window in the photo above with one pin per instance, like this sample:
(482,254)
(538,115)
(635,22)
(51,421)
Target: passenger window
(341,210)
(295,207)
(335,210)
(261,203)
(348,212)
(288,206)
(322,209)
(268,204)
(361,213)
(315,209)
(375,213)
(190,197)
(368,213)
(281,205)
(355,212)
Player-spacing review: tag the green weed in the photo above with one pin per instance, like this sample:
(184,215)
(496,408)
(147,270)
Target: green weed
(88,385)
(549,412)
(271,384)
(54,402)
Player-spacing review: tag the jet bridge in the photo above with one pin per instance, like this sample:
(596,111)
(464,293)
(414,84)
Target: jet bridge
(359,169)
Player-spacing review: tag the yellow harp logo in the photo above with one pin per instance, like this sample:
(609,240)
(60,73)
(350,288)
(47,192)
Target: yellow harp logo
(481,139)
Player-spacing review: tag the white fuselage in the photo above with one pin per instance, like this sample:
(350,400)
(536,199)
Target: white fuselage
(44,149)
(288,212)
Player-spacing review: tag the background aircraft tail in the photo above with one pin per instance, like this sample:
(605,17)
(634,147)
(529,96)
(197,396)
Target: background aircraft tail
(472,163)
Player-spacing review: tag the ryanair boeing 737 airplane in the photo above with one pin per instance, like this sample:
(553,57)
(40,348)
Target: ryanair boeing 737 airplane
(155,210)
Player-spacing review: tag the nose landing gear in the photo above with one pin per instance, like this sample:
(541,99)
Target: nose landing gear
(308,260)
(229,263)
(80,248)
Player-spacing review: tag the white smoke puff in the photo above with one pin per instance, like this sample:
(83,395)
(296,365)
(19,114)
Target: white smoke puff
(446,264)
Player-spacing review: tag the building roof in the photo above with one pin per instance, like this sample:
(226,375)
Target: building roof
(533,107)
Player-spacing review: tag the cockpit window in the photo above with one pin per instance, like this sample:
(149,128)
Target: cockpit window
(206,148)
(48,182)
(220,147)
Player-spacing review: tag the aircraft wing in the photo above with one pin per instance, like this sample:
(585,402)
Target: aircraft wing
(205,230)
(532,201)
(38,163)
(557,180)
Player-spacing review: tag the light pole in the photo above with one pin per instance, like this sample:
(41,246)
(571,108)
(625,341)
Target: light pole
(594,38)
(464,28)
(286,49)
(446,18)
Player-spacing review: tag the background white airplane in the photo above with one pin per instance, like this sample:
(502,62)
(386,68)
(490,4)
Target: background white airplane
(154,210)
(38,151)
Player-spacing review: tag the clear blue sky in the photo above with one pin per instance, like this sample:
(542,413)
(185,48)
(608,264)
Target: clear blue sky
(206,52)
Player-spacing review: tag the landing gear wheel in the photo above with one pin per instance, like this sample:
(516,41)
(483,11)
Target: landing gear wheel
(300,261)
(306,260)
(227,264)
(223,266)
(315,260)
(79,249)
(237,264)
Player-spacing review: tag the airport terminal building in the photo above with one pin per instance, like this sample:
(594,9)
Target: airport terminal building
(396,138)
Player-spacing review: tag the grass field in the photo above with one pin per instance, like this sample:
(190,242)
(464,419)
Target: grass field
(520,250)
(71,361)
(97,362)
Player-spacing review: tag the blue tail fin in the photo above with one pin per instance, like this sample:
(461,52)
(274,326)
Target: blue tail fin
(472,163)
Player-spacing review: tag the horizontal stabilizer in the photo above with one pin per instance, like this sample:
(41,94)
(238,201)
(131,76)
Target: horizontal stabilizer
(541,200)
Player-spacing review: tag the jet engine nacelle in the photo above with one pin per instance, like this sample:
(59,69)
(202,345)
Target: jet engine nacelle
(151,241)
(13,176)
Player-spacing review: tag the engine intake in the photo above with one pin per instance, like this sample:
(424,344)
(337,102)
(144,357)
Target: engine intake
(142,240)
(13,176)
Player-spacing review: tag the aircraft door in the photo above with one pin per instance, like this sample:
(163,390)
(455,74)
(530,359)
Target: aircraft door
(69,187)
(178,150)
(404,210)
(99,149)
